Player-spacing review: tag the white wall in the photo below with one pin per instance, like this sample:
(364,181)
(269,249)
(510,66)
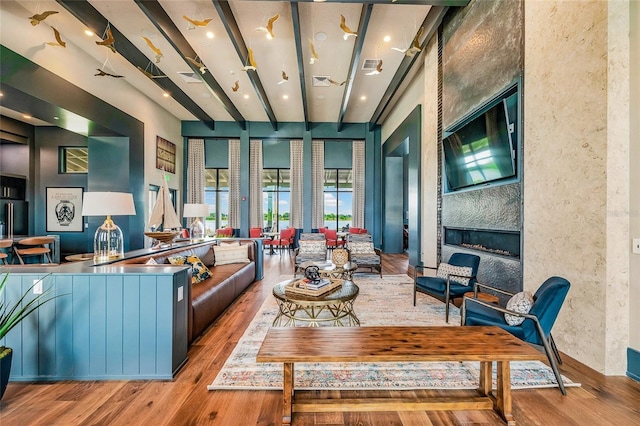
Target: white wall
(576,168)
(634,175)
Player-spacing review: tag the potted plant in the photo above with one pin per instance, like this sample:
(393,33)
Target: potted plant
(10,316)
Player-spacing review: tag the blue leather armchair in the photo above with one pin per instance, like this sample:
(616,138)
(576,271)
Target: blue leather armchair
(447,289)
(536,328)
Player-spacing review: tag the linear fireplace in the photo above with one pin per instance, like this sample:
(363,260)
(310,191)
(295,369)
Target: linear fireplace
(504,243)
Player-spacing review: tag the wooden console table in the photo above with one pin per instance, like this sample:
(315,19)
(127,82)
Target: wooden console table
(399,344)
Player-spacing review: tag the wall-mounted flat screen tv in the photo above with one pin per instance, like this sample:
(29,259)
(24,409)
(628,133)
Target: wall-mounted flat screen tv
(481,150)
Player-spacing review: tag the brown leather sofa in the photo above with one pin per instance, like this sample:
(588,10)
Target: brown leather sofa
(212,296)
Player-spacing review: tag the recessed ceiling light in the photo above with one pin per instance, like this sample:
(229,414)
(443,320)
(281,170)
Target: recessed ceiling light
(210,34)
(363,98)
(246,96)
(55,117)
(89,33)
(165,94)
(320,36)
(1,94)
(27,116)
(387,38)
(285,96)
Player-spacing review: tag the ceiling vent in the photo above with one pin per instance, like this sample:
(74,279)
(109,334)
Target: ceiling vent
(370,64)
(321,81)
(189,77)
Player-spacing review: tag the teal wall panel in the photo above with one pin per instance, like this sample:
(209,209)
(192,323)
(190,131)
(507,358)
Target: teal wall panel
(216,153)
(338,154)
(105,326)
(148,322)
(276,154)
(131,331)
(114,316)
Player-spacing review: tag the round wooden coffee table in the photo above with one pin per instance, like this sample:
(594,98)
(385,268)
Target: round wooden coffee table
(332,308)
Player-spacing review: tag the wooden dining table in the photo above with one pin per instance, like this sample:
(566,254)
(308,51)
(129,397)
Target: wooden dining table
(272,236)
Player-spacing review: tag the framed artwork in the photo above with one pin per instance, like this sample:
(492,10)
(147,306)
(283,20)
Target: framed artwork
(64,209)
(165,155)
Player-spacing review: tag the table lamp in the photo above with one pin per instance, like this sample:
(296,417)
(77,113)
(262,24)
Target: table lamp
(108,242)
(196,211)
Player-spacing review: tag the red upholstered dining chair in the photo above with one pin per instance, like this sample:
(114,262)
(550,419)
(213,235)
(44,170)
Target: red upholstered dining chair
(286,239)
(332,239)
(224,232)
(353,230)
(255,232)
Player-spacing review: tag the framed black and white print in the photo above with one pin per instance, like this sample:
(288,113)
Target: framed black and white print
(64,209)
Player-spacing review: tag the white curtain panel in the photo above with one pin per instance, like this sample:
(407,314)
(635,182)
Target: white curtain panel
(234,183)
(358,184)
(297,167)
(317,183)
(195,171)
(256,215)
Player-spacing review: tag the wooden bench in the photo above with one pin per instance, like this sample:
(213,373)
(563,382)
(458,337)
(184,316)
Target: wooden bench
(399,344)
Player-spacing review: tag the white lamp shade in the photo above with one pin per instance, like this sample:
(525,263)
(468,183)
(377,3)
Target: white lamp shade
(107,203)
(195,210)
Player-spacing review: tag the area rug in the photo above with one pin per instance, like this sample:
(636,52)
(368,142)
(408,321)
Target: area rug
(382,301)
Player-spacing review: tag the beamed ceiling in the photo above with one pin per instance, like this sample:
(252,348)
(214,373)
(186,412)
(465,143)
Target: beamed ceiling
(200,67)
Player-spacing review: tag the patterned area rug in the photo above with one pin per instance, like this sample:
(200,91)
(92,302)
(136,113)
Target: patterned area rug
(386,301)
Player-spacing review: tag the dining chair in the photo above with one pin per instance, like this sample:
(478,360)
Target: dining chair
(332,239)
(34,246)
(5,244)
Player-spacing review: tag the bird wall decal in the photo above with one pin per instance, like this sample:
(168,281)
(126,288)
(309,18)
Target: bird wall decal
(415,45)
(378,69)
(59,42)
(157,51)
(108,41)
(195,23)
(314,55)
(269,28)
(39,17)
(236,86)
(335,83)
(347,31)
(102,73)
(285,78)
(197,63)
(252,63)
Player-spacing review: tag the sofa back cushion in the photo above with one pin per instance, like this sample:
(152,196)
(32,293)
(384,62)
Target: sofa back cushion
(226,255)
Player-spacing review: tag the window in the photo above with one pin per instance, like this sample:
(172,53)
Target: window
(216,196)
(73,159)
(276,196)
(338,191)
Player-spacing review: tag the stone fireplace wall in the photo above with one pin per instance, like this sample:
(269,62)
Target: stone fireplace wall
(482,55)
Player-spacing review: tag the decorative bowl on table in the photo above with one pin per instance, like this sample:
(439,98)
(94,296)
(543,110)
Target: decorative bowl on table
(163,236)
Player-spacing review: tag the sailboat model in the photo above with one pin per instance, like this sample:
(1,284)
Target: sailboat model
(164,217)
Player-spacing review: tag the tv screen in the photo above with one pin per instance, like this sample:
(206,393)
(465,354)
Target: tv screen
(480,151)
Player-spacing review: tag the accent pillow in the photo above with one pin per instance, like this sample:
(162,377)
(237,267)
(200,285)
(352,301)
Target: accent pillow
(226,255)
(229,243)
(444,269)
(521,303)
(151,261)
(312,246)
(361,247)
(199,272)
(208,258)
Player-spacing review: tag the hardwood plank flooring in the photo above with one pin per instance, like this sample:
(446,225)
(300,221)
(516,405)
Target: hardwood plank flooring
(602,400)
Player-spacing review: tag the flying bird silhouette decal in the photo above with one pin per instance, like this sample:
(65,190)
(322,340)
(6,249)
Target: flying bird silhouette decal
(415,45)
(252,63)
(108,41)
(269,28)
(378,69)
(314,55)
(102,73)
(347,31)
(157,51)
(197,63)
(39,17)
(285,78)
(236,86)
(195,23)
(58,42)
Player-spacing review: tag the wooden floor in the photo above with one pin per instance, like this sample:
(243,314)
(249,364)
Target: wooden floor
(186,401)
